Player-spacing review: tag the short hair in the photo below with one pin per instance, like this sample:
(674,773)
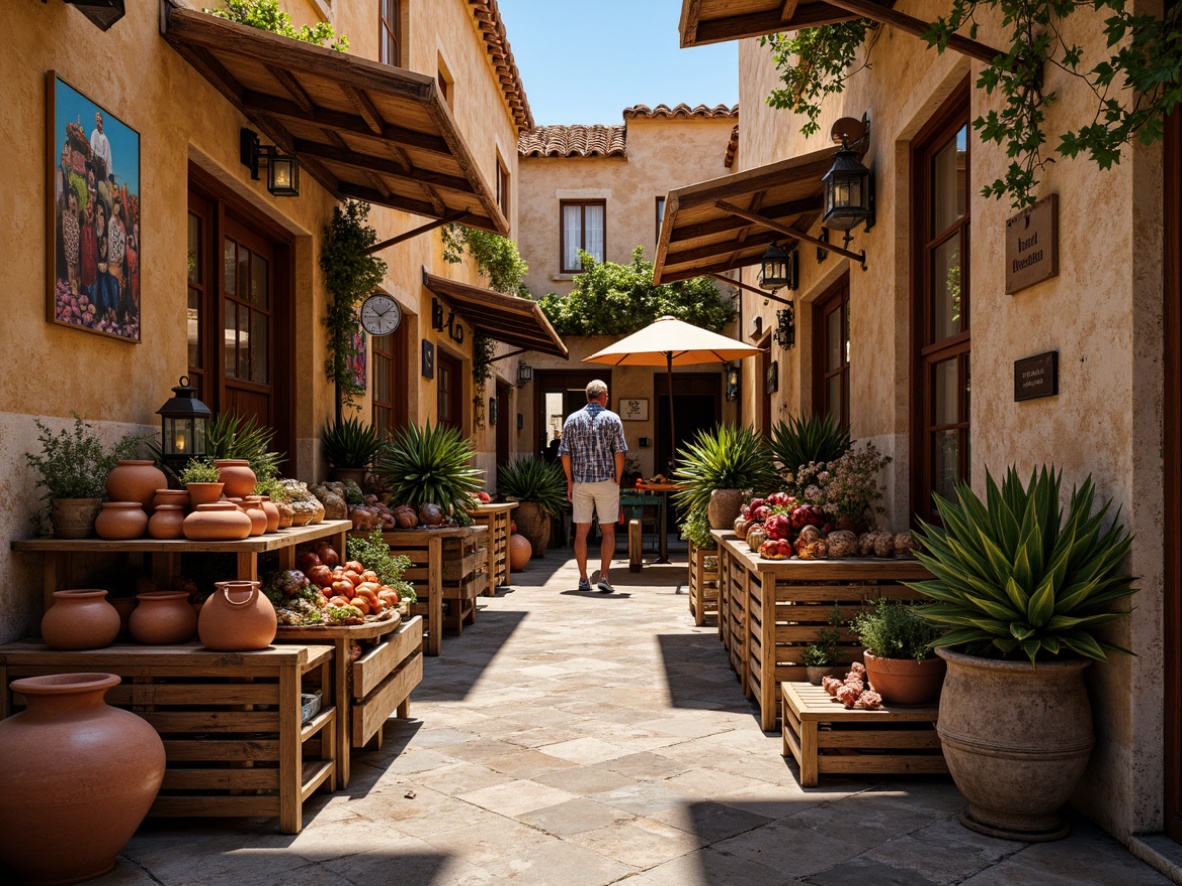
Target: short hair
(596,389)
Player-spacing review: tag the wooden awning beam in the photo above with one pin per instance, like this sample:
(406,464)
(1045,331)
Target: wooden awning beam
(762,293)
(790,232)
(912,25)
(421,229)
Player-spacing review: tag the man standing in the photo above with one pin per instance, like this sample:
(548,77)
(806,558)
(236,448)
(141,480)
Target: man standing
(100,146)
(592,452)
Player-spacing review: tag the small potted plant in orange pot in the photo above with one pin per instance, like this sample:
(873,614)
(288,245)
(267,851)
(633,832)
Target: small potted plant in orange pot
(899,662)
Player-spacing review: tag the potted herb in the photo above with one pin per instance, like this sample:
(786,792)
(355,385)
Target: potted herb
(350,447)
(540,487)
(427,467)
(1026,589)
(821,657)
(202,479)
(718,466)
(899,661)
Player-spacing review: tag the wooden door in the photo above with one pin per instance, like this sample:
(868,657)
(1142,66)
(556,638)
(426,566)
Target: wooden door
(450,386)
(571,387)
(504,420)
(697,407)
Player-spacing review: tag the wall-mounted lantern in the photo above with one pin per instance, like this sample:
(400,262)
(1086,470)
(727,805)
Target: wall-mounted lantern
(525,374)
(785,334)
(283,170)
(849,186)
(733,377)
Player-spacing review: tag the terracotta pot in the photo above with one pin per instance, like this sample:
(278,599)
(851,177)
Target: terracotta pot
(163,617)
(272,512)
(217,521)
(237,618)
(252,506)
(167,522)
(725,506)
(121,520)
(1017,739)
(135,481)
(81,619)
(203,493)
(124,606)
(78,778)
(74,517)
(286,513)
(520,552)
(237,476)
(905,681)
(341,475)
(534,524)
(170,497)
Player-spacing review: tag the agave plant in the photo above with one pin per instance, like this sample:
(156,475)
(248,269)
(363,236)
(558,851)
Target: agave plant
(241,436)
(1014,578)
(350,444)
(727,457)
(534,480)
(428,464)
(800,441)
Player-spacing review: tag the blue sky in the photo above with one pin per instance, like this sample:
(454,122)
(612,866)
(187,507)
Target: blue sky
(586,62)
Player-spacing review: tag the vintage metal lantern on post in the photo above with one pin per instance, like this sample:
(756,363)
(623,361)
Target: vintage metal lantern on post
(849,186)
(184,426)
(774,269)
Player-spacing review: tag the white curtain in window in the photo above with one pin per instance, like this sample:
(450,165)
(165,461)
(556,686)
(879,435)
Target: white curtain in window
(572,231)
(594,237)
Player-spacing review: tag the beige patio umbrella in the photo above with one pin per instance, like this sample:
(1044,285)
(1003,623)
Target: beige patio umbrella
(671,342)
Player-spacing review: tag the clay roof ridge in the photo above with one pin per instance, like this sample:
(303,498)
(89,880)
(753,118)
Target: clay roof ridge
(682,111)
(595,140)
(488,19)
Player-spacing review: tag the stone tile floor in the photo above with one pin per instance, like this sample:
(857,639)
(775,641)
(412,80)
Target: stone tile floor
(574,738)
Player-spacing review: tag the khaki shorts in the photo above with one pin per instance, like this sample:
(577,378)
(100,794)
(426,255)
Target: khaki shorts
(603,498)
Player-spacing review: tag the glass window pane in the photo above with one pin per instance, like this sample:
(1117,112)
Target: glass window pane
(230,268)
(381,377)
(259,352)
(833,396)
(947,318)
(968,391)
(833,340)
(243,273)
(945,393)
(593,216)
(945,467)
(194,249)
(948,173)
(259,286)
(572,235)
(244,342)
(193,327)
(231,338)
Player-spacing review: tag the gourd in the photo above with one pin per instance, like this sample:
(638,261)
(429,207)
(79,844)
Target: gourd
(756,535)
(741,526)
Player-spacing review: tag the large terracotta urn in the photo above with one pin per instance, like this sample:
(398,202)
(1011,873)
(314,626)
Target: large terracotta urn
(78,778)
(162,618)
(135,480)
(905,681)
(74,517)
(217,521)
(237,477)
(80,619)
(520,552)
(534,524)
(121,520)
(725,506)
(237,618)
(1017,739)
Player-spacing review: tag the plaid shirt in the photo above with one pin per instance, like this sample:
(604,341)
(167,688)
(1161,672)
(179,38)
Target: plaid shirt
(592,437)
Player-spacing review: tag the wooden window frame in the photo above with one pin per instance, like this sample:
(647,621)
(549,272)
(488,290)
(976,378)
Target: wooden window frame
(455,393)
(660,217)
(926,354)
(503,186)
(562,205)
(836,298)
(390,32)
(401,373)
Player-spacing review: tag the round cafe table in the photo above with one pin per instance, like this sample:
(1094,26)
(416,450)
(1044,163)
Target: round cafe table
(662,522)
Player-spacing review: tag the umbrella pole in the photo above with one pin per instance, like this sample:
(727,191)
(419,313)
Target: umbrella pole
(672,429)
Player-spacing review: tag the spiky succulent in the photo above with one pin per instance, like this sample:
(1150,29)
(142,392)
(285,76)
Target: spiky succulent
(534,480)
(429,464)
(726,457)
(350,443)
(1013,577)
(800,441)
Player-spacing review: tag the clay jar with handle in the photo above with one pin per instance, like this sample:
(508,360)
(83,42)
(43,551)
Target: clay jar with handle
(135,481)
(252,505)
(237,618)
(80,619)
(237,476)
(78,778)
(167,521)
(163,617)
(121,520)
(217,521)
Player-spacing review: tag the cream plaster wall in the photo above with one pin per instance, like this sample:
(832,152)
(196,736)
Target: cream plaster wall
(1102,313)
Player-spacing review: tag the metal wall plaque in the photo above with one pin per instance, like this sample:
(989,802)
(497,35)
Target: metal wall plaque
(1032,245)
(1036,376)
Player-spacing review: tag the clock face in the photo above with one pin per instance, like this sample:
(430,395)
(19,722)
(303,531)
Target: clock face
(380,314)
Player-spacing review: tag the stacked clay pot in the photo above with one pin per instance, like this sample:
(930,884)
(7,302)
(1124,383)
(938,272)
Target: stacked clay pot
(80,619)
(203,493)
(167,521)
(121,520)
(237,477)
(170,497)
(78,778)
(133,480)
(272,512)
(252,506)
(162,618)
(217,521)
(237,618)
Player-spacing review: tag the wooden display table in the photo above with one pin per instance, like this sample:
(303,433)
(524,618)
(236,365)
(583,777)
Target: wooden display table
(374,686)
(446,564)
(230,721)
(772,609)
(703,583)
(823,737)
(497,519)
(165,554)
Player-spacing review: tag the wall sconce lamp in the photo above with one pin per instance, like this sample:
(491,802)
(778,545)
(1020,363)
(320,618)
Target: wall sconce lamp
(733,377)
(785,334)
(283,170)
(849,186)
(103,13)
(779,269)
(525,374)
(184,426)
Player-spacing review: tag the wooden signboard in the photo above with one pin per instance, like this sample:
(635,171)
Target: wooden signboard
(1036,376)
(1032,245)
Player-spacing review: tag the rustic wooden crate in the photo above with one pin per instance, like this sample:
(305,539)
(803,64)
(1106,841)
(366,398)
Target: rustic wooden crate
(231,722)
(498,519)
(703,583)
(825,738)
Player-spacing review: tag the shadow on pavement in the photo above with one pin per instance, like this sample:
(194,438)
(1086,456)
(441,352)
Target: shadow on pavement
(467,657)
(698,674)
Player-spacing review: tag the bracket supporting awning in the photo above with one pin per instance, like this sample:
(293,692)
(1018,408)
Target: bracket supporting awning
(912,25)
(414,232)
(762,293)
(787,231)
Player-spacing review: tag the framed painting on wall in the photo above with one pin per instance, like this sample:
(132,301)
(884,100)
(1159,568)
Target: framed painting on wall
(357,357)
(93,215)
(428,359)
(634,410)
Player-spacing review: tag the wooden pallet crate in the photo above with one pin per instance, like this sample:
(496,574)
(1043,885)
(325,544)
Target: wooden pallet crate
(824,738)
(498,519)
(704,578)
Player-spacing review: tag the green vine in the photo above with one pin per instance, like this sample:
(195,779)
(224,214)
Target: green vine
(267,16)
(496,257)
(349,275)
(483,350)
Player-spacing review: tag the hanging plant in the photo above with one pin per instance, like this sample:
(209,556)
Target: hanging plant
(483,349)
(496,257)
(350,274)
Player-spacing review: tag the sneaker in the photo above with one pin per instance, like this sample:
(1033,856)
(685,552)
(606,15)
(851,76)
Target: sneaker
(605,586)
(584,585)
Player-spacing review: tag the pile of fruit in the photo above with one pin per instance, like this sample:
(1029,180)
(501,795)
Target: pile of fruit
(780,527)
(325,591)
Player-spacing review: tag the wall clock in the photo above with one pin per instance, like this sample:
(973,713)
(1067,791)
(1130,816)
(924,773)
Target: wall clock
(380,314)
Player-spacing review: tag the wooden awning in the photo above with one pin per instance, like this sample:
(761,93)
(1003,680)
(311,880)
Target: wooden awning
(506,318)
(727,223)
(362,129)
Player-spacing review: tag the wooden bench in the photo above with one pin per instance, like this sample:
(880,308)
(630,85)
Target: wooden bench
(825,738)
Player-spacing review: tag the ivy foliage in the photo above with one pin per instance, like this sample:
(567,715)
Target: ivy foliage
(267,16)
(613,299)
(496,257)
(349,275)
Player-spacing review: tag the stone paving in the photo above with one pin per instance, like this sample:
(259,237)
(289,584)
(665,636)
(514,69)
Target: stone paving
(575,739)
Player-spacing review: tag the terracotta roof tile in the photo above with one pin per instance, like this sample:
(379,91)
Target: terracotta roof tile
(682,111)
(732,148)
(488,20)
(573,141)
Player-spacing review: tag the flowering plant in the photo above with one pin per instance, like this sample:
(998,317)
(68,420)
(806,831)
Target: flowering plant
(847,487)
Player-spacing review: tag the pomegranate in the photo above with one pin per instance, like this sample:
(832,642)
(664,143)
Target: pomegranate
(431,514)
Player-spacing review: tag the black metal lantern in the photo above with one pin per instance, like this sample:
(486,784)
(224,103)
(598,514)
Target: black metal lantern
(785,334)
(733,376)
(773,270)
(848,200)
(283,170)
(184,425)
(525,373)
